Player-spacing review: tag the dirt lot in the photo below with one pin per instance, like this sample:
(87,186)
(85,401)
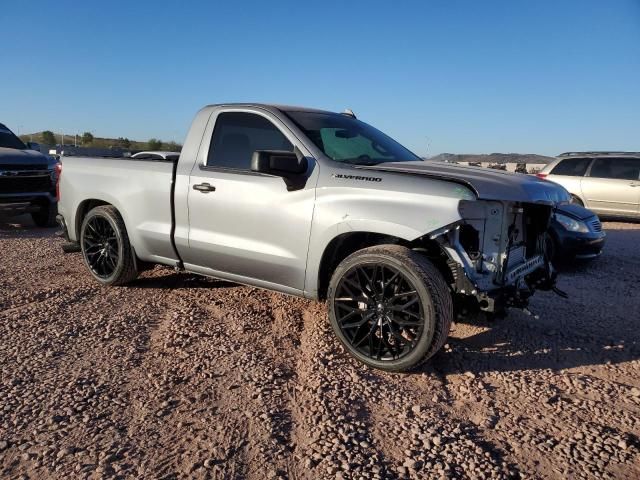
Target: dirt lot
(182,377)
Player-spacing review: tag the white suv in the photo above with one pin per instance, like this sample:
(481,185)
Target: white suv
(606,182)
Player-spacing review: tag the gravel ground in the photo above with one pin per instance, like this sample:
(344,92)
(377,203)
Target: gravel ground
(177,376)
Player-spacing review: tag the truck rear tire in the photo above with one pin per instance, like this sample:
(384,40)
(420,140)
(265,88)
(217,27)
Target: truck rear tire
(390,307)
(105,245)
(46,217)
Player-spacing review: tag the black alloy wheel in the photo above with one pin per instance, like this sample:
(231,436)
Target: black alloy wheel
(379,311)
(390,307)
(100,246)
(105,247)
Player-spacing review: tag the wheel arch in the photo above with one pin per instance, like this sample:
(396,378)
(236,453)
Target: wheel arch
(125,269)
(89,204)
(343,245)
(83,209)
(579,197)
(429,327)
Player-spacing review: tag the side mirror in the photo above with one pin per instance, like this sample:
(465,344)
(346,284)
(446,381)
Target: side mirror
(33,146)
(291,166)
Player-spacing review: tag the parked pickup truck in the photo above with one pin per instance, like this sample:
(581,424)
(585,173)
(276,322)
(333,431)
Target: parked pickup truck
(27,180)
(319,205)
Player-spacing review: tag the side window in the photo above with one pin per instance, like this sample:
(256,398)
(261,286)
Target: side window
(237,135)
(620,168)
(573,167)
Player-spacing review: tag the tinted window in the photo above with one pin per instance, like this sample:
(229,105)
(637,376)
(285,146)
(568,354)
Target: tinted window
(345,139)
(237,135)
(574,167)
(620,168)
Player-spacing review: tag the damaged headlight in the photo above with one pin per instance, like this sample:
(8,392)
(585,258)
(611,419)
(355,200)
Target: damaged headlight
(571,224)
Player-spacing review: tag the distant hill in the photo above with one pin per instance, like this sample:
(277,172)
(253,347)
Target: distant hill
(493,158)
(103,142)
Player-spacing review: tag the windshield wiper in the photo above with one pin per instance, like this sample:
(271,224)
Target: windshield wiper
(359,161)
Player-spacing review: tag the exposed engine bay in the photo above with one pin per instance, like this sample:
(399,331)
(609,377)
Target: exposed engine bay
(497,252)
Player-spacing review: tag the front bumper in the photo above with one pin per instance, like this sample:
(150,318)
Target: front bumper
(583,247)
(537,277)
(578,245)
(18,208)
(18,203)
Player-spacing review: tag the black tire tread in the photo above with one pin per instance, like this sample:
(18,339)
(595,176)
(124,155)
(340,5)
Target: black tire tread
(436,285)
(46,218)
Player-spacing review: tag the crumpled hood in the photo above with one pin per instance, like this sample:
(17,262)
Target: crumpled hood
(487,184)
(13,157)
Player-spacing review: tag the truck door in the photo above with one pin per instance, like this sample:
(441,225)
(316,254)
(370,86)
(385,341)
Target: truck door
(612,186)
(244,225)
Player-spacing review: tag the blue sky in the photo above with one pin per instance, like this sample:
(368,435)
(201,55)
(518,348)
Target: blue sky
(439,76)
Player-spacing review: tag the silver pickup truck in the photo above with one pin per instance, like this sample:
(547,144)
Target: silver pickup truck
(319,205)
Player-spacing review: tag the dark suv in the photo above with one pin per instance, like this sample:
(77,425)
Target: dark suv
(28,180)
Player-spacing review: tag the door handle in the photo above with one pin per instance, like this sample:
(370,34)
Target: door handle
(204,187)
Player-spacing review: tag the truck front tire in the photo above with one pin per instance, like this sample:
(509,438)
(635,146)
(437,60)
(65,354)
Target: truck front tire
(105,245)
(390,307)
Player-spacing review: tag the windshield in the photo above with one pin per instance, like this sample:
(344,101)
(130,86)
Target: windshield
(9,140)
(345,139)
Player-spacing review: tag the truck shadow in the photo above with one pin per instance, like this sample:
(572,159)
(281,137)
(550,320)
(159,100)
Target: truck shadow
(160,279)
(524,344)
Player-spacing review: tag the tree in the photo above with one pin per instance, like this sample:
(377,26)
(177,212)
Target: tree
(154,144)
(48,137)
(173,147)
(124,142)
(87,138)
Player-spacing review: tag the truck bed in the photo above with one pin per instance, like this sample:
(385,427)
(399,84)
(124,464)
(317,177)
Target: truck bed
(139,188)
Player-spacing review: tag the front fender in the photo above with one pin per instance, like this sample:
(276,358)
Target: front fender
(406,216)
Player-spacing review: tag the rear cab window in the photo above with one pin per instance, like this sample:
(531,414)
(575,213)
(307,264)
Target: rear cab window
(616,168)
(237,135)
(572,167)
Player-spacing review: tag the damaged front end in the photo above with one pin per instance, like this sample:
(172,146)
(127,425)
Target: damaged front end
(496,253)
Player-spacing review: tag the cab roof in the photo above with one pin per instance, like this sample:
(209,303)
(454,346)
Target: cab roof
(599,154)
(276,106)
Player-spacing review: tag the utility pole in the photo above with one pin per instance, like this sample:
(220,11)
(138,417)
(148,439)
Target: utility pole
(428,140)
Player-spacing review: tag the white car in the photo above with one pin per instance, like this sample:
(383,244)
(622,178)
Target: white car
(606,182)
(156,155)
